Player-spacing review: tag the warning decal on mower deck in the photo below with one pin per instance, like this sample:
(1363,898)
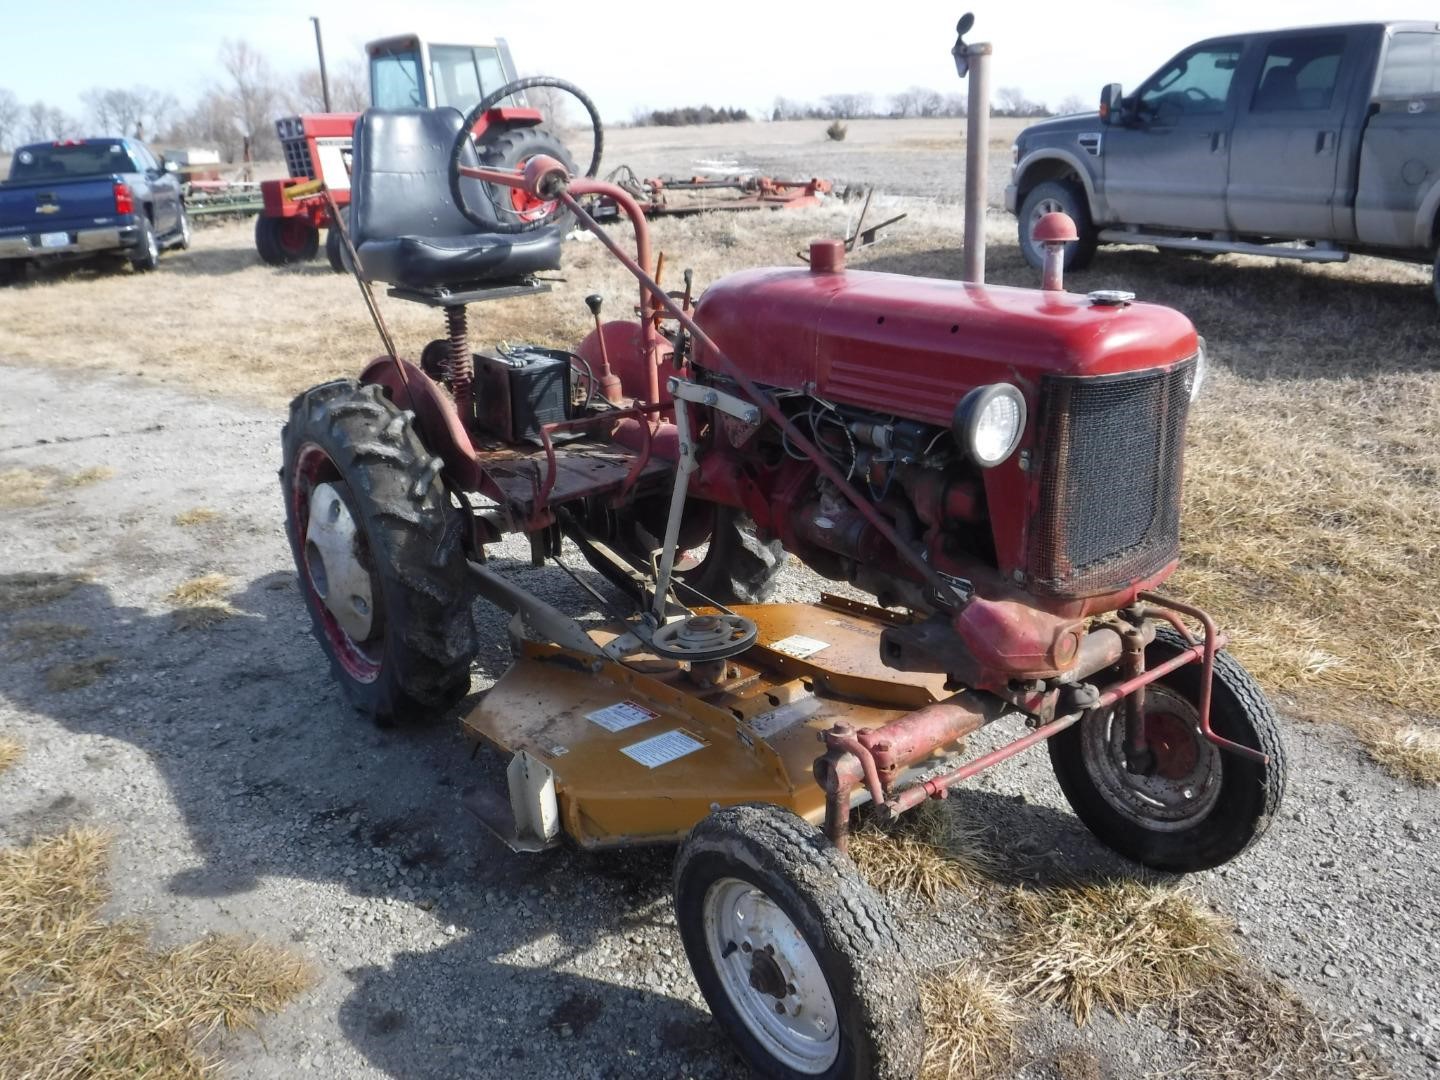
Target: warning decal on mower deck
(621,715)
(662,749)
(799,646)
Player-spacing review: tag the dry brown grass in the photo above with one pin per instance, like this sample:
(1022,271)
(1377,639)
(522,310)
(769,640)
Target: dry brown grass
(200,602)
(20,591)
(200,515)
(1411,753)
(23,487)
(931,851)
(79,674)
(86,477)
(84,998)
(970,1021)
(10,752)
(1120,945)
(35,638)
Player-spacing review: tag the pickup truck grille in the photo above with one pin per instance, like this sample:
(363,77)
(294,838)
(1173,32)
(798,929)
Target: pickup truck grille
(1111,459)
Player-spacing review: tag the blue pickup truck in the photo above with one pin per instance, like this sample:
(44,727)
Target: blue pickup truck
(79,198)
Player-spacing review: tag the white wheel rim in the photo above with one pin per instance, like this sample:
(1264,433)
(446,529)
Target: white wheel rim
(341,582)
(1156,802)
(771,976)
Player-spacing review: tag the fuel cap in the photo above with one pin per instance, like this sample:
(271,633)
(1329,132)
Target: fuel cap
(1111,297)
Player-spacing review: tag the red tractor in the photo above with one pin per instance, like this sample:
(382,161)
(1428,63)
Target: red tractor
(405,72)
(1001,468)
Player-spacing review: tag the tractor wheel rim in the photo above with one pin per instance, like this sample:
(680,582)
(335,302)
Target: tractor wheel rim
(293,234)
(1184,784)
(771,976)
(527,207)
(332,570)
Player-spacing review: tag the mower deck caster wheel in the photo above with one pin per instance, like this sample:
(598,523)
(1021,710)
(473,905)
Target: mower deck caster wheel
(796,954)
(1192,806)
(379,552)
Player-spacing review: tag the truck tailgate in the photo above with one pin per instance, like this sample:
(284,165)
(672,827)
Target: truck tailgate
(55,206)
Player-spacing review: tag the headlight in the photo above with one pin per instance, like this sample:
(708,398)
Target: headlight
(989,422)
(1197,374)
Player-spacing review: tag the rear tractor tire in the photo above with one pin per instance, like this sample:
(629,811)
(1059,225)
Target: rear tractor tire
(379,552)
(797,956)
(1057,196)
(286,241)
(737,568)
(1196,806)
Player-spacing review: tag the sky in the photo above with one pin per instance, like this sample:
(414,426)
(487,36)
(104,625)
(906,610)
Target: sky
(629,56)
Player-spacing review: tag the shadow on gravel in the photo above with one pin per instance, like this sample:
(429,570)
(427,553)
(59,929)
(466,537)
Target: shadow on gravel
(274,777)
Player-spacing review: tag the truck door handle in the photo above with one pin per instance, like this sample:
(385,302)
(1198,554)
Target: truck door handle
(1324,140)
(1218,140)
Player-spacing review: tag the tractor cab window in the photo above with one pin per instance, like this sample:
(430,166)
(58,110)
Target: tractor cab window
(395,80)
(1196,83)
(464,75)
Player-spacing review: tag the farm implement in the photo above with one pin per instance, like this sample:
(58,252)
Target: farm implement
(999,468)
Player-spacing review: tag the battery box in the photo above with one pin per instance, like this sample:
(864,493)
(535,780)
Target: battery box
(516,393)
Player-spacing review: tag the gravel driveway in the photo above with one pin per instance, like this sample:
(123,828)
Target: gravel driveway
(244,797)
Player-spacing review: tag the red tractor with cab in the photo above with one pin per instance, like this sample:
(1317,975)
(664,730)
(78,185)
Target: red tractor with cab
(1000,468)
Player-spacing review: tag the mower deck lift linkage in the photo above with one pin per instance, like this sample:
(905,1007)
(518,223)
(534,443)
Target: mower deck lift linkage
(874,760)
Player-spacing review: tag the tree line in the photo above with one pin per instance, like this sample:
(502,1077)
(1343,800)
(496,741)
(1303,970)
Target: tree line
(917,101)
(239,107)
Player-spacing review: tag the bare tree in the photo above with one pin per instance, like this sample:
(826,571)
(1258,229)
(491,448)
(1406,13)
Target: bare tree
(554,104)
(955,105)
(253,95)
(1071,105)
(349,90)
(11,114)
(41,122)
(210,122)
(1011,101)
(136,111)
(849,106)
(928,102)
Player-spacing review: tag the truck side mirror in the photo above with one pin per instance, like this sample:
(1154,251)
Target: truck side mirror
(1112,104)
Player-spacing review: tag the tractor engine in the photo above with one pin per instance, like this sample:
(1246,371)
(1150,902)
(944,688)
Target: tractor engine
(1028,445)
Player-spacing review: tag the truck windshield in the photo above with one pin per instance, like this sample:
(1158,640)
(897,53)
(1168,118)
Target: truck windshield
(395,80)
(1197,81)
(463,75)
(70,159)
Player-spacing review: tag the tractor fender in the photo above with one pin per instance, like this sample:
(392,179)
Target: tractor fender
(439,423)
(505,117)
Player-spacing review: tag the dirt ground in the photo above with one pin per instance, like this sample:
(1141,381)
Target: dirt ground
(245,798)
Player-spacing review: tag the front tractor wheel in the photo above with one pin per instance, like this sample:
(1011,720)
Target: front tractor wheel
(284,241)
(797,956)
(1193,806)
(379,552)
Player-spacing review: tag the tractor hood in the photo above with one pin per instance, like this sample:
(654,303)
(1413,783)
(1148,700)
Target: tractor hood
(914,346)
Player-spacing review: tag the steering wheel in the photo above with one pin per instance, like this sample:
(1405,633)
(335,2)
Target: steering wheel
(1196,94)
(529,221)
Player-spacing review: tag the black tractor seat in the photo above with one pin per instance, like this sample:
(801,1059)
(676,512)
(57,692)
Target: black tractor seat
(404,223)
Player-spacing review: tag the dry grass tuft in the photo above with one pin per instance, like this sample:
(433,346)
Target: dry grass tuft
(23,487)
(10,752)
(200,515)
(19,591)
(1411,753)
(931,851)
(970,1024)
(84,998)
(84,477)
(1249,1025)
(200,602)
(80,674)
(35,638)
(1120,945)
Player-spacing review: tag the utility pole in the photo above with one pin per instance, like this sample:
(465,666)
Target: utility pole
(324,78)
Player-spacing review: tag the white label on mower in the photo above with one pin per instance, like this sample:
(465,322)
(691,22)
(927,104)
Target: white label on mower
(662,749)
(786,716)
(799,646)
(621,715)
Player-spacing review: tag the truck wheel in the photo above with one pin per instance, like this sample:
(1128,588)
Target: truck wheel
(147,248)
(796,954)
(182,232)
(1057,196)
(12,271)
(1197,806)
(284,241)
(379,553)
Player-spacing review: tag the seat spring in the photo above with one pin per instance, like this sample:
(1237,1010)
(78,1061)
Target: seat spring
(459,364)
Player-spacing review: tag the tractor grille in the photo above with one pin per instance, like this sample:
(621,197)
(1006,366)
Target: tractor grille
(297,158)
(1109,474)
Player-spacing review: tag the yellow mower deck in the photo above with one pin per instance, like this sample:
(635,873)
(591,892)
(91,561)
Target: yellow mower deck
(640,753)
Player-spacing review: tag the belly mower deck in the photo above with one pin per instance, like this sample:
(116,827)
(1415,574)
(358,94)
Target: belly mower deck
(638,752)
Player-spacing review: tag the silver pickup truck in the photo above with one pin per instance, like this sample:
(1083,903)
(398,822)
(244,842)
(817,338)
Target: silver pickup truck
(1304,144)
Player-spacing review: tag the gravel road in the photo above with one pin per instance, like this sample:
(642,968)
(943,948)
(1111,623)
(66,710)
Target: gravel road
(244,797)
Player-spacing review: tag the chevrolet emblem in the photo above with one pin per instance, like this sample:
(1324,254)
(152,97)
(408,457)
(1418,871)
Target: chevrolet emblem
(47,208)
